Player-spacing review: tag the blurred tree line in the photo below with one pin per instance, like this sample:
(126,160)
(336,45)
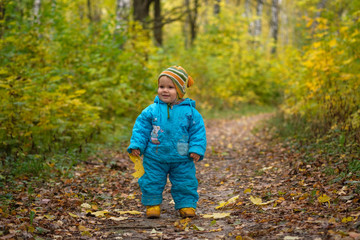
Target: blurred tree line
(78,72)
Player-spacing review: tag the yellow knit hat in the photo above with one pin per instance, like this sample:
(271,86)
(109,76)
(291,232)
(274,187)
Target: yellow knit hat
(179,77)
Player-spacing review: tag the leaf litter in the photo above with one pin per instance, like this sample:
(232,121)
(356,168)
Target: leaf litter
(249,187)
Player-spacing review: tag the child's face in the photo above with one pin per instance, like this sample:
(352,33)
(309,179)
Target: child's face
(166,90)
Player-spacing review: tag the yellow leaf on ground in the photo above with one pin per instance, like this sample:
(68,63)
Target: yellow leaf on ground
(230,201)
(248,190)
(347,219)
(86,205)
(258,201)
(100,213)
(73,215)
(127,212)
(82,228)
(324,198)
(118,218)
(216,215)
(139,168)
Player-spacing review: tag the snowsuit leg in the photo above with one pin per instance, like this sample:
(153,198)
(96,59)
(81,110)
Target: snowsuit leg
(184,184)
(153,181)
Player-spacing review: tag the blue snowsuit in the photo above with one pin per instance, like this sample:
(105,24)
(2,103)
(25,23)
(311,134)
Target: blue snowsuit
(166,135)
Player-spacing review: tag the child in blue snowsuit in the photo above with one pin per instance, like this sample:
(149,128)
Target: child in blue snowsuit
(170,133)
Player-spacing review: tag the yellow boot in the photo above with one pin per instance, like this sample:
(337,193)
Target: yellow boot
(153,211)
(187,212)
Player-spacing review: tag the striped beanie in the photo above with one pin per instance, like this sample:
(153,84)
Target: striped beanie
(179,77)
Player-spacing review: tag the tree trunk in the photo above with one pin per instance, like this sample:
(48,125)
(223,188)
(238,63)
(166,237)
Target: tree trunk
(259,8)
(141,10)
(190,26)
(193,17)
(89,10)
(37,5)
(2,17)
(217,7)
(248,15)
(157,23)
(274,24)
(122,14)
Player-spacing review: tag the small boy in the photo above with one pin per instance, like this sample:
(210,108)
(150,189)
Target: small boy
(170,133)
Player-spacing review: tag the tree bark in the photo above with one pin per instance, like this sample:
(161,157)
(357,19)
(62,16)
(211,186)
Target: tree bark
(248,15)
(89,10)
(2,17)
(217,7)
(37,5)
(141,10)
(157,23)
(259,8)
(190,26)
(122,14)
(193,18)
(274,24)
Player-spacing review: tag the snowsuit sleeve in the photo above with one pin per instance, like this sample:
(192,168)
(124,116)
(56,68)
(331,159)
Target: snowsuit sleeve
(141,131)
(197,133)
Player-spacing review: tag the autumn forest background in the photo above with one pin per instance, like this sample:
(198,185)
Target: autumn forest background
(74,75)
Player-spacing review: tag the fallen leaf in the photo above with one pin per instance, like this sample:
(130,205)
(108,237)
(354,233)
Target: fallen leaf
(139,168)
(324,198)
(197,228)
(216,215)
(118,218)
(248,190)
(85,205)
(50,217)
(354,235)
(258,201)
(127,212)
(347,219)
(291,238)
(73,215)
(100,213)
(230,201)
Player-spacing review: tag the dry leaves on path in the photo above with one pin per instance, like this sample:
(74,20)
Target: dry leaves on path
(249,188)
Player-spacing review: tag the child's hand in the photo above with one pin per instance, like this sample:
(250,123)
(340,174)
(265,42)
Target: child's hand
(135,152)
(195,157)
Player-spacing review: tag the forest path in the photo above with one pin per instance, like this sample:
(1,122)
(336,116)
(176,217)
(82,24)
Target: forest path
(275,195)
(233,156)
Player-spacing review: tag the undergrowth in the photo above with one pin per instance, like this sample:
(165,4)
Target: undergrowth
(335,151)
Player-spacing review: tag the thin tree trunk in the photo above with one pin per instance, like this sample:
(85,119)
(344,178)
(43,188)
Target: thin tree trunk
(90,17)
(141,10)
(190,23)
(122,13)
(217,7)
(193,18)
(37,5)
(2,17)
(186,24)
(274,26)
(157,23)
(259,8)
(248,15)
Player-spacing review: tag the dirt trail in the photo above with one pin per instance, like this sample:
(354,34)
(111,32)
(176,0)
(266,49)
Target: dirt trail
(275,195)
(234,155)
